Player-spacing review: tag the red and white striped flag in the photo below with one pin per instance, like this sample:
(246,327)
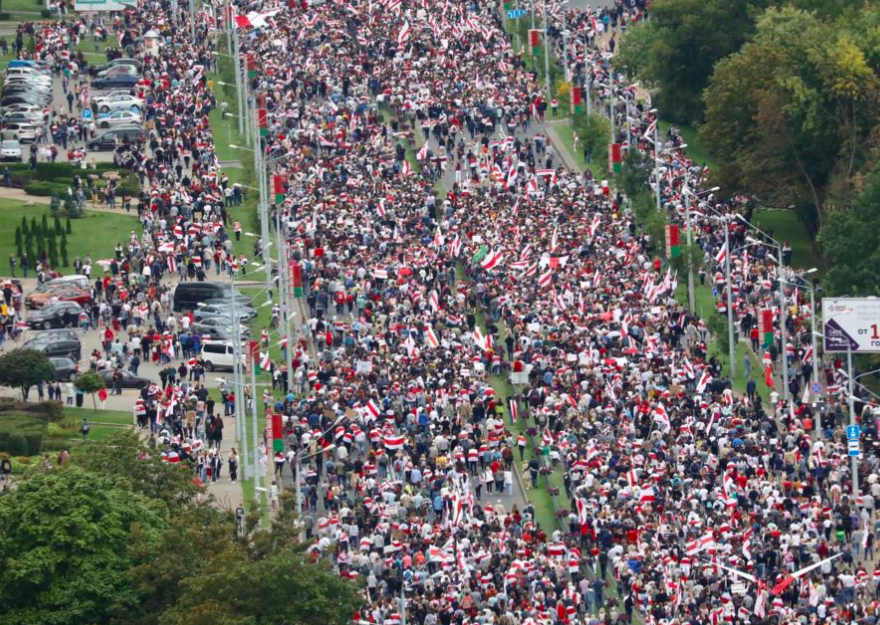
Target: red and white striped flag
(404,34)
(393,442)
(492,259)
(513,411)
(373,408)
(722,254)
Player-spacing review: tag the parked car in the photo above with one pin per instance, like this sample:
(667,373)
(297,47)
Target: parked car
(54,347)
(219,355)
(76,279)
(116,63)
(119,117)
(20,131)
(188,295)
(119,81)
(56,315)
(111,138)
(65,368)
(22,98)
(55,334)
(129,380)
(10,150)
(61,293)
(219,327)
(210,311)
(118,70)
(115,100)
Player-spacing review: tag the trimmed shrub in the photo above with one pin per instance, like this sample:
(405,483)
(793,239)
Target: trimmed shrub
(17,445)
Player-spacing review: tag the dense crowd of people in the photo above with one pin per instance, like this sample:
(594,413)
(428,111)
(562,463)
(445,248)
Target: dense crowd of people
(432,282)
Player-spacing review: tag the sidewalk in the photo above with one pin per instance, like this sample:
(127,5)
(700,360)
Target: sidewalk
(20,195)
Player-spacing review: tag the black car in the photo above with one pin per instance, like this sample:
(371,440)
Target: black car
(129,380)
(112,138)
(55,347)
(65,368)
(57,315)
(119,81)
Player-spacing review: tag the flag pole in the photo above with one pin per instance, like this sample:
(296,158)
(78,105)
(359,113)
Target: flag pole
(730,334)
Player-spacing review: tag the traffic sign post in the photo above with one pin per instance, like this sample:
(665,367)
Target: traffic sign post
(852,448)
(816,388)
(853,432)
(87,115)
(513,14)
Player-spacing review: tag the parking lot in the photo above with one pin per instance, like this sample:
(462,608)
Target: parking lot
(37,100)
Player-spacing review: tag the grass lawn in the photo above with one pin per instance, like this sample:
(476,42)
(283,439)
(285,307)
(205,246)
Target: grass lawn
(695,150)
(83,241)
(566,133)
(107,417)
(13,6)
(784,226)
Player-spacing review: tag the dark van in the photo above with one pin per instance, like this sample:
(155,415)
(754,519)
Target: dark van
(188,295)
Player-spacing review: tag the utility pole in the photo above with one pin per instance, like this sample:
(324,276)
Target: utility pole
(547,55)
(852,420)
(783,319)
(657,162)
(237,387)
(239,87)
(687,202)
(730,317)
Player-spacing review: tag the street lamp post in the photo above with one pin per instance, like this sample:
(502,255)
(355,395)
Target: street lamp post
(852,419)
(730,315)
(783,315)
(547,54)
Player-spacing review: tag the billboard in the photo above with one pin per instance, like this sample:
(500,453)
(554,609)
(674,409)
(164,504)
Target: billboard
(103,5)
(851,323)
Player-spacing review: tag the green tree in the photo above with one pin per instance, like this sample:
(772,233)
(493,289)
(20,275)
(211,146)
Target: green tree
(58,229)
(18,236)
(851,241)
(45,225)
(23,368)
(65,547)
(69,227)
(125,459)
(64,259)
(789,117)
(678,48)
(34,228)
(241,575)
(24,226)
(90,383)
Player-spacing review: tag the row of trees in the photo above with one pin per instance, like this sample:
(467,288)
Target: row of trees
(43,237)
(115,535)
(785,97)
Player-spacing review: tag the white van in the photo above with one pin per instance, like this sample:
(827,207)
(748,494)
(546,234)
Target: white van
(219,355)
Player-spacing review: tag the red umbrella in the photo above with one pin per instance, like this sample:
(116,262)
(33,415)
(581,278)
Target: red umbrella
(404,271)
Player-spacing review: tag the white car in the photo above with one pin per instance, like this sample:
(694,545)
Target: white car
(120,117)
(20,131)
(30,109)
(10,150)
(105,104)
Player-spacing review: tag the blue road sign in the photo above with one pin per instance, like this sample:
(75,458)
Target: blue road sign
(87,115)
(515,13)
(852,448)
(853,432)
(816,388)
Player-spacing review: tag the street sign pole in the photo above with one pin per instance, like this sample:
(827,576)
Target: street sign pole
(852,422)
